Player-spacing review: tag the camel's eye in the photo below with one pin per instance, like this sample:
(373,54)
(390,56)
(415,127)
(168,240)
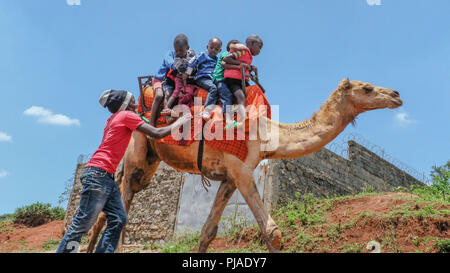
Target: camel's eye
(368,89)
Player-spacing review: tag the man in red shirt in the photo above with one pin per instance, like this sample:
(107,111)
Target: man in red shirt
(100,192)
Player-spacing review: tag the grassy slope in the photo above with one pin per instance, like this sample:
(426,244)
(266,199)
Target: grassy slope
(399,222)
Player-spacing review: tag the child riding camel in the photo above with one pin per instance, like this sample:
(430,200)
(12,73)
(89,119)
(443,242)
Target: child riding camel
(233,77)
(172,77)
(225,94)
(203,67)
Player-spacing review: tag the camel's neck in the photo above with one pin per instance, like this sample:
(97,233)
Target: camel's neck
(306,137)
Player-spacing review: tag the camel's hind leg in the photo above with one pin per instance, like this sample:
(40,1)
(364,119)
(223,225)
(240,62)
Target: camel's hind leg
(139,166)
(243,178)
(209,231)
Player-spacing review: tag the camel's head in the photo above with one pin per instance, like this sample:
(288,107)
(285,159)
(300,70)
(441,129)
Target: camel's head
(364,96)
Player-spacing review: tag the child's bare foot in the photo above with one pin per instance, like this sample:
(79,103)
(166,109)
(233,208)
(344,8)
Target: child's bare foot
(166,112)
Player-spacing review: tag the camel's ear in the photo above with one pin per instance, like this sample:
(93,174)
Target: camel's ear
(344,84)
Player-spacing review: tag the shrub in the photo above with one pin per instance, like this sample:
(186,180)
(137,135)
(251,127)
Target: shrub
(37,214)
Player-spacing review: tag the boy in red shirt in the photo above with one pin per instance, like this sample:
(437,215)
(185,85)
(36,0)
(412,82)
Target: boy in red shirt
(100,192)
(242,58)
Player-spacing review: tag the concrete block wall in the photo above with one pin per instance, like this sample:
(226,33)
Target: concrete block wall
(326,174)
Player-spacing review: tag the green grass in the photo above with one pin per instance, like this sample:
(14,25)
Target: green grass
(352,248)
(51,244)
(152,246)
(305,242)
(443,245)
(306,210)
(408,211)
(182,243)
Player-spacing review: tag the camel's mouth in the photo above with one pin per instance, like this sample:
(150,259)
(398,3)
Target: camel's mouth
(396,102)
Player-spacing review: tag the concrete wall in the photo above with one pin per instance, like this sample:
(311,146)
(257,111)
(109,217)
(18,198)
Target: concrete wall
(174,202)
(196,203)
(326,174)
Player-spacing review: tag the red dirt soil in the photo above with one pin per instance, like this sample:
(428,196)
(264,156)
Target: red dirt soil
(19,238)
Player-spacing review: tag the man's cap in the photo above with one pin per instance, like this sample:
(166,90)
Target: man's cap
(115,100)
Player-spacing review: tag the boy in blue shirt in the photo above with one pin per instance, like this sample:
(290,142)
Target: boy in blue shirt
(175,62)
(204,66)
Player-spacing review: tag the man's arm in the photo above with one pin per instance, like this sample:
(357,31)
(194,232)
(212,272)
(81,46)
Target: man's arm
(230,66)
(161,132)
(238,47)
(231,59)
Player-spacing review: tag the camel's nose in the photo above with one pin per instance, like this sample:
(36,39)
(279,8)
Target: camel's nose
(396,93)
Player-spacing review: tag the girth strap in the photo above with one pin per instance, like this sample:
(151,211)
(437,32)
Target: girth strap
(205,181)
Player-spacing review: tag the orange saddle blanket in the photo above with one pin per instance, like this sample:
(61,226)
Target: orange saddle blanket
(215,135)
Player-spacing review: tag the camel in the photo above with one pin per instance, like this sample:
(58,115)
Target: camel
(143,156)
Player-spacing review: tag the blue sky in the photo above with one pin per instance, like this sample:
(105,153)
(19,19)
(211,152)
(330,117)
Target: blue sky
(56,59)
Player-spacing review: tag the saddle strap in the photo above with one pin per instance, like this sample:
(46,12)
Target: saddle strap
(205,181)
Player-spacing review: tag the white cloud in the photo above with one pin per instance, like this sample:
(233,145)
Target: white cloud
(373,2)
(3,174)
(73,2)
(402,118)
(46,116)
(4,137)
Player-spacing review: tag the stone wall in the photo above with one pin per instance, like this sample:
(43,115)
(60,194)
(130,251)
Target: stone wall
(153,212)
(74,199)
(326,174)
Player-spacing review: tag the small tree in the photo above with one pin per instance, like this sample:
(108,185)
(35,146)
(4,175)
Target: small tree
(441,183)
(440,170)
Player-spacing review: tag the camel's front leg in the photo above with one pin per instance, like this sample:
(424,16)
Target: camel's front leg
(245,182)
(209,231)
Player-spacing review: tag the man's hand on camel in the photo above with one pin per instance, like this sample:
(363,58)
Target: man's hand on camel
(184,119)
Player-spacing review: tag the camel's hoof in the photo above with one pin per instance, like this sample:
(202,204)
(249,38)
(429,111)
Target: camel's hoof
(275,239)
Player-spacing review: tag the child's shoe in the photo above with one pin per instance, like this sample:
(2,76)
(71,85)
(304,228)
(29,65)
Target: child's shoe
(233,124)
(205,115)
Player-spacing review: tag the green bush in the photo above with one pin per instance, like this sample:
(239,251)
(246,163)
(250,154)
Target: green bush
(37,214)
(6,218)
(438,191)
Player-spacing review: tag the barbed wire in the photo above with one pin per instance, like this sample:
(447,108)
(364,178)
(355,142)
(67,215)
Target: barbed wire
(340,147)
